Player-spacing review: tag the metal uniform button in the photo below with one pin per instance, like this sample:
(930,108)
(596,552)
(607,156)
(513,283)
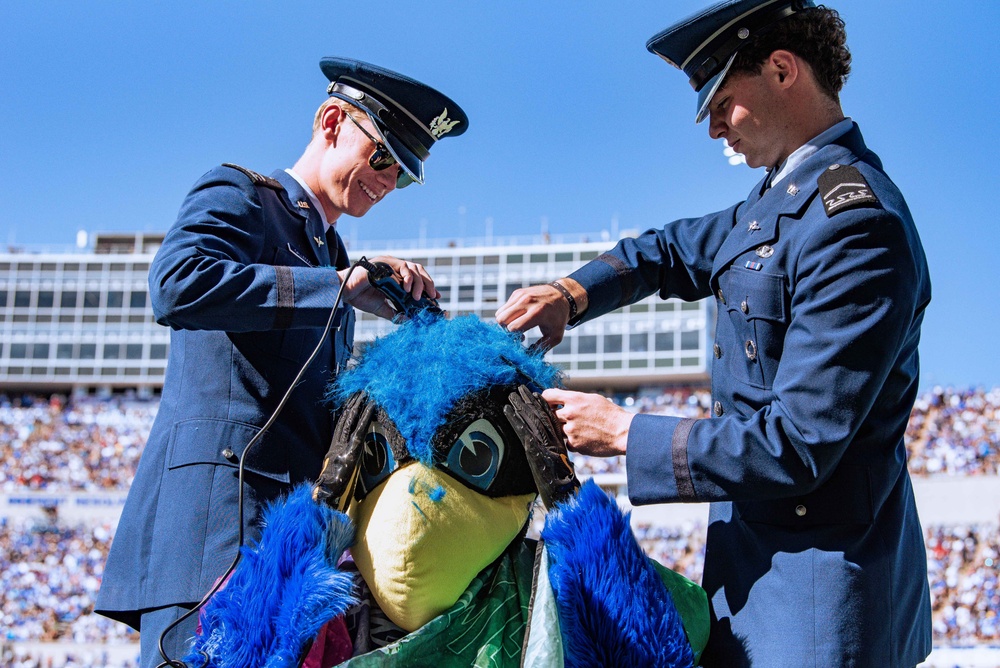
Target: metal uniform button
(718,409)
(228,454)
(800,510)
(722,297)
(718,351)
(744,306)
(751,350)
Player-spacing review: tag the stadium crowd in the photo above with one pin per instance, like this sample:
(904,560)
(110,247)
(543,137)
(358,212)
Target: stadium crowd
(50,570)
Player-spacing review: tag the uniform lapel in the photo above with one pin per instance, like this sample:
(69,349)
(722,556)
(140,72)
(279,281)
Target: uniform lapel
(757,219)
(298,202)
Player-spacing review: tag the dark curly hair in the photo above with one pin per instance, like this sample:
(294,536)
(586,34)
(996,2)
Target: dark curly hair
(816,35)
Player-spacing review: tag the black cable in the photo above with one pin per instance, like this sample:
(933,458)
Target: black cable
(173,663)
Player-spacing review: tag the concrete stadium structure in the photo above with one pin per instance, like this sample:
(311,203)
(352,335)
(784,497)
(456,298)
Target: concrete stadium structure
(80,319)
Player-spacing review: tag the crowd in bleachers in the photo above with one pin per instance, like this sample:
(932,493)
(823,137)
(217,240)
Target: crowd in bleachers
(50,571)
(86,444)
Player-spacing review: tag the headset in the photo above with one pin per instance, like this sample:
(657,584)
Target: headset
(383,278)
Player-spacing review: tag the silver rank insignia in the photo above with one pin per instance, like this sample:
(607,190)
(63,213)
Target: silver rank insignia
(793,189)
(302,204)
(765,251)
(319,242)
(753,226)
(442,125)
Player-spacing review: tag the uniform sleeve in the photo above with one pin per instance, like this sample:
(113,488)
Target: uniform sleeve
(675,261)
(854,310)
(217,270)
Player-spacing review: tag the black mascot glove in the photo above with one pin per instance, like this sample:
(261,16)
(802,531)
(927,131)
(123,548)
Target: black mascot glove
(544,445)
(335,483)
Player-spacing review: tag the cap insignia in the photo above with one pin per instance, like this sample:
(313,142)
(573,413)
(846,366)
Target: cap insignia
(442,125)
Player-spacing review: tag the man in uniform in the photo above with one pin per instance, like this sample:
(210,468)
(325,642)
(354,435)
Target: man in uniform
(247,278)
(814,554)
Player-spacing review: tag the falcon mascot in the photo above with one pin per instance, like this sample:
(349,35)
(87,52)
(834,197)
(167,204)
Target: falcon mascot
(411,547)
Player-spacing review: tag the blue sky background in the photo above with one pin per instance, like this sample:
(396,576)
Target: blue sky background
(109,111)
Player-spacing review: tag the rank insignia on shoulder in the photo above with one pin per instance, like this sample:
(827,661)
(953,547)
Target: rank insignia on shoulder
(258,179)
(842,187)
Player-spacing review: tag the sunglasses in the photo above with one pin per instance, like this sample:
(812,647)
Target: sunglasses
(382,158)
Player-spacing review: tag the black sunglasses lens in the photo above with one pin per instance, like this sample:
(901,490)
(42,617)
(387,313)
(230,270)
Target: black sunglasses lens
(381,159)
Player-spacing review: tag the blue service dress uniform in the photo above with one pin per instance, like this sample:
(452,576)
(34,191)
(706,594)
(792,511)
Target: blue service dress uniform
(815,554)
(246,278)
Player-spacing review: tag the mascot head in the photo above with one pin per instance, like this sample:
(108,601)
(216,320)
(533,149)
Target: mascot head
(430,468)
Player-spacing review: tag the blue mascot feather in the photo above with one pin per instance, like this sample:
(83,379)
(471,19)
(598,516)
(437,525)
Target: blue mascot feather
(613,608)
(284,589)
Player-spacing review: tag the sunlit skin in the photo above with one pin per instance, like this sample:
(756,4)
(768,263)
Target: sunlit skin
(335,166)
(765,117)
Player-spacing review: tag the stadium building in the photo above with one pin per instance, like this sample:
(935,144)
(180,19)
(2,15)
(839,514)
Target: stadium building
(80,319)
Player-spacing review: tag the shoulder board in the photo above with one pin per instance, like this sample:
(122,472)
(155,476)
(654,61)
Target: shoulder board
(842,187)
(258,179)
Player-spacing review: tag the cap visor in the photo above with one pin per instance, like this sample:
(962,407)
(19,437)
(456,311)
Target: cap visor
(408,160)
(709,90)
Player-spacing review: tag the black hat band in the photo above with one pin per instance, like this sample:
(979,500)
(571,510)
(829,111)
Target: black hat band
(394,123)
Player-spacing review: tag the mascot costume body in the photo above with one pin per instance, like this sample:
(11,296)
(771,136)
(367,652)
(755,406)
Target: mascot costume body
(410,549)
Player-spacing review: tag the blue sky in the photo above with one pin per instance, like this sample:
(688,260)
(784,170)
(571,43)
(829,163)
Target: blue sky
(109,111)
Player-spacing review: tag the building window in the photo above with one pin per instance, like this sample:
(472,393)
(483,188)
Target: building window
(466,293)
(64,351)
(587,256)
(133,351)
(689,340)
(564,257)
(18,351)
(115,298)
(586,345)
(158,351)
(664,341)
(91,299)
(515,259)
(137,300)
(539,258)
(612,343)
(45,299)
(88,351)
(40,351)
(22,299)
(111,351)
(638,343)
(67,300)
(3,298)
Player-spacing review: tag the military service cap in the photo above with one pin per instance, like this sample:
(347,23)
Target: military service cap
(408,115)
(705,44)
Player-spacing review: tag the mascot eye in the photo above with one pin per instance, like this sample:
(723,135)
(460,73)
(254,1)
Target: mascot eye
(477,454)
(377,461)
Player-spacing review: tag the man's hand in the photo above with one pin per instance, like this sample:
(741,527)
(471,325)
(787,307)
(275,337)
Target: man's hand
(359,293)
(541,306)
(592,424)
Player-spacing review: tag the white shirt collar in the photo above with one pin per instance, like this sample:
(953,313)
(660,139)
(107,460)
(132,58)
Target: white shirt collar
(799,155)
(312,198)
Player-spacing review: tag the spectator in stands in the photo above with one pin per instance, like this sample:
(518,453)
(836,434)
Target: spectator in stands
(247,278)
(814,547)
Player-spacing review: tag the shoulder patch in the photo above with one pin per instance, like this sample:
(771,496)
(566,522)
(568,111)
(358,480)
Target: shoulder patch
(258,179)
(842,187)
